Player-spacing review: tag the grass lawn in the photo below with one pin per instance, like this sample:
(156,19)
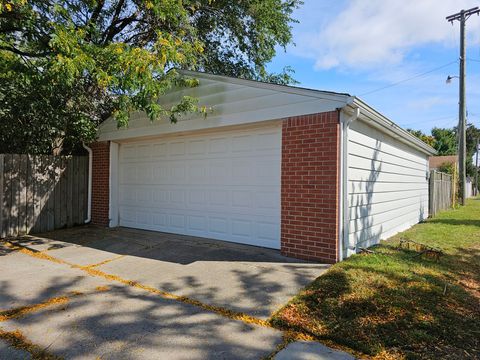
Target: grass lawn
(393,304)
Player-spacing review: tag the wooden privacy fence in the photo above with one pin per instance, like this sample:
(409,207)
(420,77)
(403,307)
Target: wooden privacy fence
(40,193)
(441,192)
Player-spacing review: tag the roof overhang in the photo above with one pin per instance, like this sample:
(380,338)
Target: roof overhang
(382,123)
(318,101)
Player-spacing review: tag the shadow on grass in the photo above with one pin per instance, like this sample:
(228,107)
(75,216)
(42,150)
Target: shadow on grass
(396,302)
(466,222)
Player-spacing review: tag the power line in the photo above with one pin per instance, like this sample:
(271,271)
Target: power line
(409,79)
(429,121)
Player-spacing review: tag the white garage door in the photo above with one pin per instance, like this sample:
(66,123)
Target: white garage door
(223,185)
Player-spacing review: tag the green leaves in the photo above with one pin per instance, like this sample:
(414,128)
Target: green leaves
(67,66)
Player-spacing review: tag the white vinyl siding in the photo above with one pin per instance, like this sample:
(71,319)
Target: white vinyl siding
(387,186)
(222,185)
(230,103)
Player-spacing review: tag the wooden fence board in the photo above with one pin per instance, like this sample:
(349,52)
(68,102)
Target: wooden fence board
(30,193)
(40,174)
(7,194)
(74,206)
(82,189)
(440,192)
(50,192)
(22,194)
(57,192)
(15,198)
(2,234)
(69,182)
(41,193)
(63,189)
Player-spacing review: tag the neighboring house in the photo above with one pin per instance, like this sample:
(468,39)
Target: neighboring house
(435,162)
(469,186)
(316,174)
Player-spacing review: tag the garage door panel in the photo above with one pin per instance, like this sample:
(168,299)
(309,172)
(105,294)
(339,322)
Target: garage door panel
(159,150)
(223,186)
(176,149)
(218,145)
(258,230)
(218,226)
(197,147)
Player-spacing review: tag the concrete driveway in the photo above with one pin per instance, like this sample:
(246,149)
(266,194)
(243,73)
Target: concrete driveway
(91,292)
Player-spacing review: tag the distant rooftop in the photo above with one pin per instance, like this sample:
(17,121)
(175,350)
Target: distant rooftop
(436,161)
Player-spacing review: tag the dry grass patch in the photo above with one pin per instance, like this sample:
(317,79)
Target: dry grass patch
(394,304)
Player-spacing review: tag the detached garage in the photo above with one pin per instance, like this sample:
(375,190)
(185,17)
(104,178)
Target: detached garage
(316,174)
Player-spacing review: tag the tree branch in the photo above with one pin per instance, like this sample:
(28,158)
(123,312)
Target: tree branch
(24,53)
(96,12)
(122,24)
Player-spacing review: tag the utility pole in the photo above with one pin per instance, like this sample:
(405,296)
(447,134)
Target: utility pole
(462,16)
(476,167)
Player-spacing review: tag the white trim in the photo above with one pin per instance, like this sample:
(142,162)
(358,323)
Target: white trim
(208,130)
(381,122)
(113,185)
(343,209)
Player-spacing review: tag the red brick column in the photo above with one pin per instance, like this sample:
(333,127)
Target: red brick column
(100,182)
(309,195)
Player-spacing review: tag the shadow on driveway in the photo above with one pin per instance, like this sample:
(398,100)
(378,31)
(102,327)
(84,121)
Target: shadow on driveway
(243,278)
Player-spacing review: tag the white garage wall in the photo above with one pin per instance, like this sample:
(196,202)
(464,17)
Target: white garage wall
(387,186)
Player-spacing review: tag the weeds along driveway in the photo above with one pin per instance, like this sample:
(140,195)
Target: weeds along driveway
(88,292)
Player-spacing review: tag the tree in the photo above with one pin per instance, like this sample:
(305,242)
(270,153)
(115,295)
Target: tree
(68,65)
(444,140)
(428,139)
(473,134)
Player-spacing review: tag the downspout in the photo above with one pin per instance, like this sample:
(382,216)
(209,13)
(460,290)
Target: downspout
(344,215)
(89,201)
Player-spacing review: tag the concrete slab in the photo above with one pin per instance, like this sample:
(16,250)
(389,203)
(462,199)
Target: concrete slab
(25,280)
(257,289)
(82,255)
(309,350)
(249,279)
(36,243)
(10,353)
(126,323)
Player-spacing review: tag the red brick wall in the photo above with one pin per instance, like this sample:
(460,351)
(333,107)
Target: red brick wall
(100,182)
(309,195)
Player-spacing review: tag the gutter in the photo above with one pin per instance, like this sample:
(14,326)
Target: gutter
(378,120)
(343,193)
(90,165)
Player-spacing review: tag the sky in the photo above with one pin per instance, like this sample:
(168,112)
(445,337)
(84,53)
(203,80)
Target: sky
(359,47)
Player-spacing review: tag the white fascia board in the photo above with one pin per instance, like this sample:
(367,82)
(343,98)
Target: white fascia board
(379,121)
